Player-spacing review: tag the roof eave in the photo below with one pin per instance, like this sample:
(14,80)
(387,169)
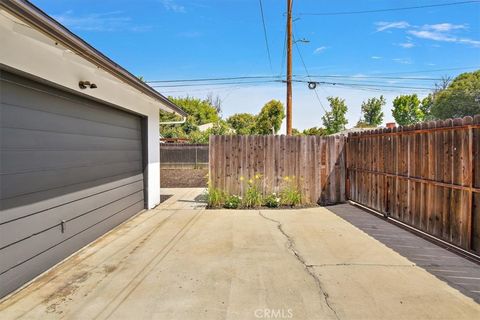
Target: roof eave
(40,20)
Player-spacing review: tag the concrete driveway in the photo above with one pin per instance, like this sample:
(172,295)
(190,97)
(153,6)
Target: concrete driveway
(181,261)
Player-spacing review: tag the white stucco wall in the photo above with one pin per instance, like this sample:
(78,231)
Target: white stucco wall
(27,50)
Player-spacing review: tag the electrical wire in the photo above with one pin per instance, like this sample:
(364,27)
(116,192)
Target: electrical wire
(389,9)
(366,85)
(213,79)
(265,35)
(373,76)
(429,71)
(308,75)
(206,84)
(284,54)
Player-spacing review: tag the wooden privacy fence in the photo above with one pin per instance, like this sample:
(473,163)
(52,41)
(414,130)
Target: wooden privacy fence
(427,176)
(179,155)
(316,165)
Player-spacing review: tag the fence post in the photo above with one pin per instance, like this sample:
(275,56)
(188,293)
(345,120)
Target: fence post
(196,157)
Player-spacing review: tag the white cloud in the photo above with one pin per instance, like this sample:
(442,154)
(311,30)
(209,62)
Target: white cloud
(444,27)
(406,45)
(375,57)
(431,35)
(171,5)
(402,60)
(105,22)
(442,36)
(320,50)
(382,25)
(437,32)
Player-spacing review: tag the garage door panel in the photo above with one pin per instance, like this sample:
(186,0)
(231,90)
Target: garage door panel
(20,252)
(28,94)
(11,279)
(31,182)
(20,229)
(19,139)
(18,207)
(23,161)
(62,158)
(23,118)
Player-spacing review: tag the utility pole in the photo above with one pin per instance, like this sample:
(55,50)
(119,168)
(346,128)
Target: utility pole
(289,67)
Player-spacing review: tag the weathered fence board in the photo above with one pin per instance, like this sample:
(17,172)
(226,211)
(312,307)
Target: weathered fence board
(427,176)
(316,164)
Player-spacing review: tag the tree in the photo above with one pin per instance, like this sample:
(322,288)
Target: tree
(242,123)
(362,124)
(315,131)
(406,110)
(372,111)
(200,111)
(297,133)
(459,98)
(426,107)
(215,101)
(335,120)
(270,118)
(220,127)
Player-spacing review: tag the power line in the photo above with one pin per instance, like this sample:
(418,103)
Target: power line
(308,75)
(297,76)
(265,35)
(214,79)
(429,71)
(366,85)
(375,77)
(388,9)
(284,54)
(215,84)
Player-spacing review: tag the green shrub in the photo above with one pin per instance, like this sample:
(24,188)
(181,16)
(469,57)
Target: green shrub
(232,202)
(290,195)
(215,197)
(253,195)
(272,200)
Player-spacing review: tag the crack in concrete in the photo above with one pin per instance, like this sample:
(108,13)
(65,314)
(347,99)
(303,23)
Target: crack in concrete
(308,268)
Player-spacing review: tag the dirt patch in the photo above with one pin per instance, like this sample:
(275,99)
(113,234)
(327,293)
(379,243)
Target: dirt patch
(183,178)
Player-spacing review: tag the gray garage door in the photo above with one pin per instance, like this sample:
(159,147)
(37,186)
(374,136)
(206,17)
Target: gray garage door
(70,169)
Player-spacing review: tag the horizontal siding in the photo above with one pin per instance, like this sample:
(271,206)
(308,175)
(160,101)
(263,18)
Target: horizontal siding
(22,251)
(24,161)
(20,139)
(15,277)
(26,93)
(32,182)
(34,120)
(19,229)
(22,206)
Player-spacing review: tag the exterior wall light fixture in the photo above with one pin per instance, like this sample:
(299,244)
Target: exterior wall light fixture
(87,84)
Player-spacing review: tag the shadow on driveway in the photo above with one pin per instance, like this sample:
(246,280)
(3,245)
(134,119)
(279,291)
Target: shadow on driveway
(457,271)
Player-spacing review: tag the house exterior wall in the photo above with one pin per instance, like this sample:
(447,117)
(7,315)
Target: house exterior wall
(29,52)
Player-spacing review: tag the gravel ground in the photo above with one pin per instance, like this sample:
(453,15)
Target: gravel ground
(183,178)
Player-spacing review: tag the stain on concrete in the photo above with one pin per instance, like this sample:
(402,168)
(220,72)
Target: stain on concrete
(64,293)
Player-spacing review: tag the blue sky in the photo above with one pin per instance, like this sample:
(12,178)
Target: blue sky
(184,39)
